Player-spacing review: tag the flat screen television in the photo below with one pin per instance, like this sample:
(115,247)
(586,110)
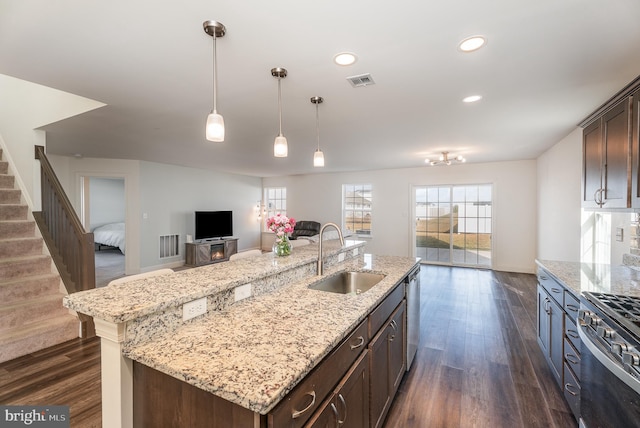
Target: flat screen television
(213,224)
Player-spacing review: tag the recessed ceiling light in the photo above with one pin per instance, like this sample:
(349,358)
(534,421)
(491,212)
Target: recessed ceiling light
(472,43)
(472,98)
(345,58)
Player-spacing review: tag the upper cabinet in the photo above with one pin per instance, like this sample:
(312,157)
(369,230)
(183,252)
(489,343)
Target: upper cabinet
(610,155)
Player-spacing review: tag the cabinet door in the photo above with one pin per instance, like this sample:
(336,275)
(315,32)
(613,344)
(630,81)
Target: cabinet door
(617,145)
(544,302)
(203,254)
(380,382)
(397,350)
(635,149)
(556,341)
(230,247)
(592,159)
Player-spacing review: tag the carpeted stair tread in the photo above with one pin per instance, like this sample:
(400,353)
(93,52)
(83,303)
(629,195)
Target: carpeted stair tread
(7,181)
(24,266)
(10,196)
(13,212)
(17,247)
(21,313)
(17,229)
(31,287)
(36,336)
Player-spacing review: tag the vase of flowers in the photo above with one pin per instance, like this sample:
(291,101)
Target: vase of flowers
(282,226)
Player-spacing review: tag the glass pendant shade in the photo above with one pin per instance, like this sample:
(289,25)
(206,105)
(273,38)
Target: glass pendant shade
(215,127)
(280,148)
(318,158)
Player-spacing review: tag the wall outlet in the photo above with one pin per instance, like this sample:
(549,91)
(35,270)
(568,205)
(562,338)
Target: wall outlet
(194,308)
(242,292)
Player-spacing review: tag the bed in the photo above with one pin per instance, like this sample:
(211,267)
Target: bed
(111,234)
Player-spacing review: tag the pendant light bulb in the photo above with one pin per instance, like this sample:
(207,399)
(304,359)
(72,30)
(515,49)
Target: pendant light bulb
(318,159)
(214,129)
(318,156)
(280,148)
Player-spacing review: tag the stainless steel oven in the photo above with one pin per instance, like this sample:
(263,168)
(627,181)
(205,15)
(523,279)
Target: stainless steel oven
(609,329)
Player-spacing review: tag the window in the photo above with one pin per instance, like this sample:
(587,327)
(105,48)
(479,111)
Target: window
(356,209)
(275,201)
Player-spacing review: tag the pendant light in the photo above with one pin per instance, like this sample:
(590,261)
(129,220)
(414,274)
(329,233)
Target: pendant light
(215,122)
(280,148)
(318,156)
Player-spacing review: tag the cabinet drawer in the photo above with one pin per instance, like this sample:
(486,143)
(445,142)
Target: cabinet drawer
(298,406)
(571,332)
(571,305)
(380,314)
(571,390)
(554,289)
(572,358)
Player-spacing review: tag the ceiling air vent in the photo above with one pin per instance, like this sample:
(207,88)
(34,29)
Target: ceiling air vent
(361,80)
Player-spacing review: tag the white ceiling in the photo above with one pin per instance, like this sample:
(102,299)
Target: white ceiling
(547,65)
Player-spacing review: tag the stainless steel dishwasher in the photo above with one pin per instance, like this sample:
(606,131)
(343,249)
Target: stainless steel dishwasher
(413,314)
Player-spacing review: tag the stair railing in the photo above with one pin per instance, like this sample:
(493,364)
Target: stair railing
(70,246)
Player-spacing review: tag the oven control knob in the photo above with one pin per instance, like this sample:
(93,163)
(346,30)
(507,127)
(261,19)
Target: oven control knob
(631,358)
(584,315)
(619,347)
(605,332)
(592,319)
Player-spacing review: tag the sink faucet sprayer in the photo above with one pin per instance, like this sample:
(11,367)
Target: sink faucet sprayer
(320,262)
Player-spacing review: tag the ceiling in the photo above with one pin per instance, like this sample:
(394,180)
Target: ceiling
(546,66)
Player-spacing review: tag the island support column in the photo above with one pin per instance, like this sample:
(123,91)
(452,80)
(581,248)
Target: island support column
(116,375)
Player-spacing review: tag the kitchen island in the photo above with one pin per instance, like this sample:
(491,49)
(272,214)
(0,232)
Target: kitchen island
(250,353)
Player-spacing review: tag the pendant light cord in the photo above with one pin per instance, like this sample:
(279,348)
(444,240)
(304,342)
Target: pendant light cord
(318,126)
(215,74)
(280,105)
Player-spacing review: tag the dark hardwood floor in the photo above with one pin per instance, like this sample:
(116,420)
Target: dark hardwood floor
(478,364)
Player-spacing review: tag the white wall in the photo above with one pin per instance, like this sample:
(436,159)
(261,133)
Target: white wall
(559,206)
(106,201)
(169,196)
(25,106)
(319,197)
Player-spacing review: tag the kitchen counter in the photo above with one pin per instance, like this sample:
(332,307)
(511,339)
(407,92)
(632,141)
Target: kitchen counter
(598,277)
(257,350)
(251,352)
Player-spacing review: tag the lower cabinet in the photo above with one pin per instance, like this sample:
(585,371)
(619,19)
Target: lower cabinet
(348,406)
(387,355)
(551,332)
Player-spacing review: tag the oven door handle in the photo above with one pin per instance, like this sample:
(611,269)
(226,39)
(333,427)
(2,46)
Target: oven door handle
(606,361)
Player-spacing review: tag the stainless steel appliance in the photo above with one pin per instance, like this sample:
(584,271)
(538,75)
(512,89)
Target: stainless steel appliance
(413,314)
(609,328)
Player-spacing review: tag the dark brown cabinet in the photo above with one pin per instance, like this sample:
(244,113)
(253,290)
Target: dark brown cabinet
(388,363)
(349,404)
(635,152)
(606,177)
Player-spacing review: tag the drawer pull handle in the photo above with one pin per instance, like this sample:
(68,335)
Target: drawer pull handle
(344,404)
(567,387)
(360,343)
(298,413)
(556,290)
(544,278)
(394,325)
(572,359)
(573,333)
(574,308)
(335,412)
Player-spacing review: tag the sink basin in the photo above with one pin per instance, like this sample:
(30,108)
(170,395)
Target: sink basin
(348,282)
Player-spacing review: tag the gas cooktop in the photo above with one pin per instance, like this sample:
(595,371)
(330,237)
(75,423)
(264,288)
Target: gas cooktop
(623,309)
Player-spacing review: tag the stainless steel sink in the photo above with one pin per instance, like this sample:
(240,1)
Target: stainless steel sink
(348,282)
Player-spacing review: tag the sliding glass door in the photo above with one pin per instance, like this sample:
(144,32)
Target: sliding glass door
(452,224)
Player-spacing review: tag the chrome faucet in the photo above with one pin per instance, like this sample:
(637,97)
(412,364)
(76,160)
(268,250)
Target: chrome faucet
(320,262)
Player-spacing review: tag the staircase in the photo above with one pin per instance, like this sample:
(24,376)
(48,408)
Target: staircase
(31,313)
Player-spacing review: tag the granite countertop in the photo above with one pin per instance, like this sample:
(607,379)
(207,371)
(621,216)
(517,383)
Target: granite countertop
(130,300)
(254,352)
(597,277)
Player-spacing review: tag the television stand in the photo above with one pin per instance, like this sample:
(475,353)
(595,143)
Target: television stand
(210,251)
